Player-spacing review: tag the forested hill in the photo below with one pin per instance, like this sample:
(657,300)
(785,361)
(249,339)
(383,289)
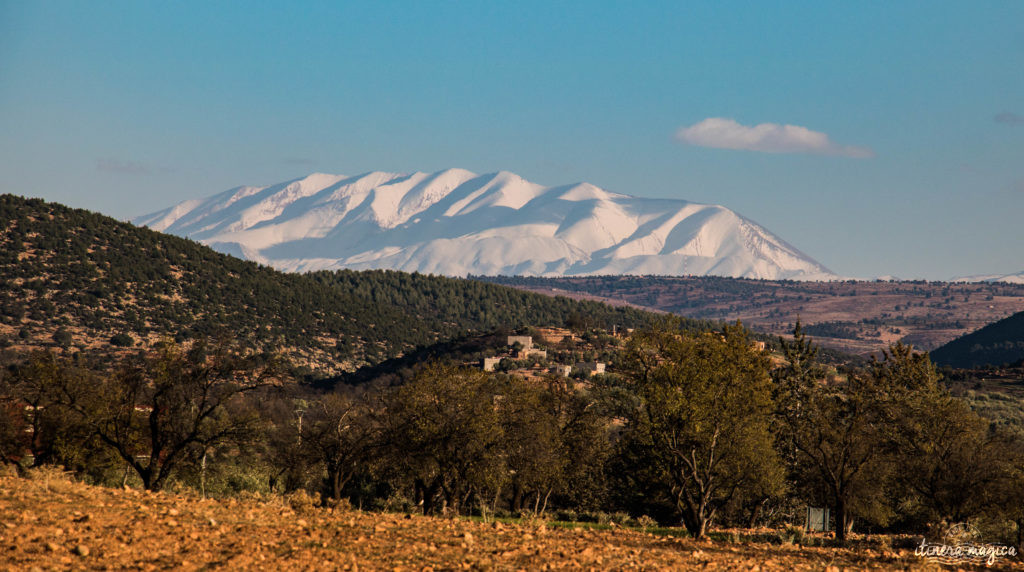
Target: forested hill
(74,278)
(996,344)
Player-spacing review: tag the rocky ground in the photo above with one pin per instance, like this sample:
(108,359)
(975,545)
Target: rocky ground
(49,522)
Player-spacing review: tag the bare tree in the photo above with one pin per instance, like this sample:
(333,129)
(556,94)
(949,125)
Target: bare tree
(343,433)
(152,412)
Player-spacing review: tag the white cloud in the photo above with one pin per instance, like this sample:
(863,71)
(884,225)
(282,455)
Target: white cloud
(722,133)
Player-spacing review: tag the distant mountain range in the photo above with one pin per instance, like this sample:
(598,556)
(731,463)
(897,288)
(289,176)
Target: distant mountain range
(456,223)
(1017,278)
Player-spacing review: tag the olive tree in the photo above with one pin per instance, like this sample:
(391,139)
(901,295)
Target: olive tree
(952,462)
(444,433)
(702,418)
(834,433)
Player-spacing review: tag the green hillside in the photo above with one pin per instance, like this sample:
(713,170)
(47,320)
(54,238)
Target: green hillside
(77,279)
(996,344)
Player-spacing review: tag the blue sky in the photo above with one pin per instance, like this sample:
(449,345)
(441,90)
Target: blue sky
(905,156)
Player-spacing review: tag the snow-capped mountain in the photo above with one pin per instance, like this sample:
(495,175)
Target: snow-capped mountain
(455,222)
(1017,278)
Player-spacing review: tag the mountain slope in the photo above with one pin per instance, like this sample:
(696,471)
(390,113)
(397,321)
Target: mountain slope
(91,277)
(996,344)
(456,223)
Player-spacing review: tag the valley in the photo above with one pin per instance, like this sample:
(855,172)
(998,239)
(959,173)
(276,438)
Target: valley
(858,317)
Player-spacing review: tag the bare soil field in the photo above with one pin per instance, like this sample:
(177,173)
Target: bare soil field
(48,522)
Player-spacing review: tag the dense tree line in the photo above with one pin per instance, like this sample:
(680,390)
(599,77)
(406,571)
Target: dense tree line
(845,330)
(891,447)
(694,428)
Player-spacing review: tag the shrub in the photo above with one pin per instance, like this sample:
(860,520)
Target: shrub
(62,337)
(620,518)
(566,515)
(791,535)
(300,501)
(122,340)
(52,477)
(645,522)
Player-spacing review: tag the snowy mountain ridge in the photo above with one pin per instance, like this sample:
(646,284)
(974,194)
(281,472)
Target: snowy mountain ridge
(1017,278)
(455,222)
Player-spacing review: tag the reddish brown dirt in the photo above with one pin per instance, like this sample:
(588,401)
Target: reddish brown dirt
(57,524)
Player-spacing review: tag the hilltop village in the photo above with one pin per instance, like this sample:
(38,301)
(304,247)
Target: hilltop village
(555,351)
(543,352)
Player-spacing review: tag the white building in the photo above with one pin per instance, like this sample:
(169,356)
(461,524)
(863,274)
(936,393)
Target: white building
(490,362)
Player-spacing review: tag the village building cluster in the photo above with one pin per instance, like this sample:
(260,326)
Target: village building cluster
(531,361)
(522,348)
